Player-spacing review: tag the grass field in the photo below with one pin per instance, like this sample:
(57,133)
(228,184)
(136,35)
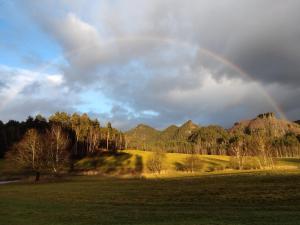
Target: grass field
(213,196)
(232,199)
(134,162)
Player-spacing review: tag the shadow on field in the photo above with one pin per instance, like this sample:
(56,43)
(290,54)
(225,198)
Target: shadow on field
(120,163)
(139,164)
(207,165)
(291,161)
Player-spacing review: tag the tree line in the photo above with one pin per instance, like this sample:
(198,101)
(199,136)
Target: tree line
(54,144)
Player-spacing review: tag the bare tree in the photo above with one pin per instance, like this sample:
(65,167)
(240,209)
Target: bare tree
(238,149)
(192,163)
(263,150)
(76,126)
(155,162)
(29,153)
(58,149)
(108,135)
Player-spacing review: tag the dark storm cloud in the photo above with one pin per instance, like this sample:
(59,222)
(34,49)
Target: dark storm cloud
(148,55)
(262,37)
(271,62)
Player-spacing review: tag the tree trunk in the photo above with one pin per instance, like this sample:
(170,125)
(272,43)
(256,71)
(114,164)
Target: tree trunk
(37,176)
(107,139)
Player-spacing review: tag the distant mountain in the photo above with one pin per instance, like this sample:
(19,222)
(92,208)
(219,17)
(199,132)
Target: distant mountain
(141,136)
(297,121)
(213,139)
(168,133)
(183,132)
(145,137)
(267,122)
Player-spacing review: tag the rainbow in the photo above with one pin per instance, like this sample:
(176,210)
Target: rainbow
(216,57)
(170,41)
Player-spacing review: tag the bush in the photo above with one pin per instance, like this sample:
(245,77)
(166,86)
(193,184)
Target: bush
(193,163)
(155,162)
(248,163)
(251,163)
(233,164)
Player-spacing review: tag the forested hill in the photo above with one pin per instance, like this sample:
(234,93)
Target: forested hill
(268,123)
(278,134)
(172,138)
(85,136)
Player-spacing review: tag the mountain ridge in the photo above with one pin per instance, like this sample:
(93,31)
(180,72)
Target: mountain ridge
(190,134)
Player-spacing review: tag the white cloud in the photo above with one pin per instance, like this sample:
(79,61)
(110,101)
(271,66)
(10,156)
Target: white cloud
(29,92)
(55,80)
(15,81)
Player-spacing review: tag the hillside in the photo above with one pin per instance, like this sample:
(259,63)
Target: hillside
(134,162)
(280,135)
(267,123)
(141,137)
(130,162)
(147,138)
(183,132)
(168,133)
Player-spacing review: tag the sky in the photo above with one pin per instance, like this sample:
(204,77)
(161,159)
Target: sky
(150,61)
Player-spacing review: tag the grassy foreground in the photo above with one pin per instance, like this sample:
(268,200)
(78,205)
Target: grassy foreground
(215,195)
(231,199)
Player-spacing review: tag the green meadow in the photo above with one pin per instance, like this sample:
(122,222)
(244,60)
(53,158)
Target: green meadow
(242,198)
(214,195)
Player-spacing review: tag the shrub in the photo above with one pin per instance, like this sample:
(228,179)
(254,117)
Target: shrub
(251,163)
(248,163)
(155,162)
(233,163)
(193,163)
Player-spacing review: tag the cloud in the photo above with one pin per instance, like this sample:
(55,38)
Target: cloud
(179,60)
(29,92)
(55,80)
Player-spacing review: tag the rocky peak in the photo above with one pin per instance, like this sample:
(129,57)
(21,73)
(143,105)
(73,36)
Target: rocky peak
(297,121)
(267,115)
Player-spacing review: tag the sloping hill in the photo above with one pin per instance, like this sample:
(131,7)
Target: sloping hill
(186,130)
(142,137)
(134,162)
(147,138)
(168,133)
(268,123)
(283,135)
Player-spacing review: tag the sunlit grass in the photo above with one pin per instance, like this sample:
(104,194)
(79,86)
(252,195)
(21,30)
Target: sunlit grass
(133,162)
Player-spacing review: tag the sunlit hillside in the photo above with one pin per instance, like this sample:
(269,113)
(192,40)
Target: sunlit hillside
(134,163)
